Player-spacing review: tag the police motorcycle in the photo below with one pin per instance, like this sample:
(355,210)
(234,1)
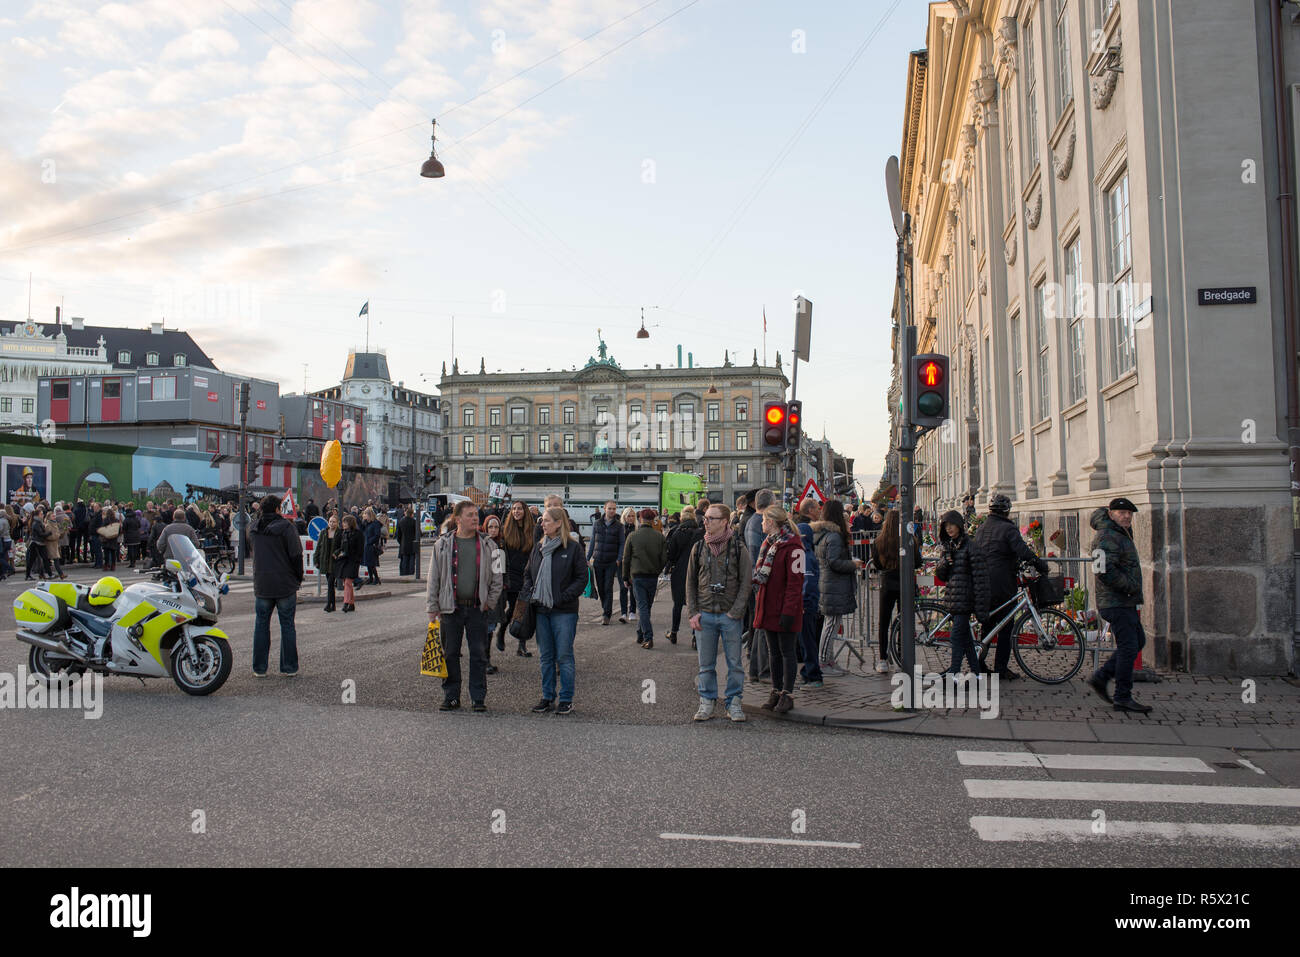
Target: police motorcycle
(148,630)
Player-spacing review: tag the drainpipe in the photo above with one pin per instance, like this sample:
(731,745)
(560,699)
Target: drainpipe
(1286,207)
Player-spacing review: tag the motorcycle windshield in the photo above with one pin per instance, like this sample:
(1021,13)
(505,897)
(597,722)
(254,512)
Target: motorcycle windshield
(191,558)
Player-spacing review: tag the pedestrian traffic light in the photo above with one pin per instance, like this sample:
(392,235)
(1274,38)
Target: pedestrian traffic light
(774,421)
(929,390)
(793,424)
(429,471)
(254,464)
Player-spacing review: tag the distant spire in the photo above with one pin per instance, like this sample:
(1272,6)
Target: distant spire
(482,366)
(755,357)
(444,368)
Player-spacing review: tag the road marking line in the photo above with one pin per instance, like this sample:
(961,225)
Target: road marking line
(1146,793)
(759,840)
(1082,762)
(1245,763)
(1078,832)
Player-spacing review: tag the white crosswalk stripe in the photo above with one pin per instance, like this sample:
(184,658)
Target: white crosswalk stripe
(1097,826)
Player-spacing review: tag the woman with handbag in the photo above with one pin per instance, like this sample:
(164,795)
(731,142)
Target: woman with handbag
(323,557)
(517,540)
(554,580)
(347,557)
(110,534)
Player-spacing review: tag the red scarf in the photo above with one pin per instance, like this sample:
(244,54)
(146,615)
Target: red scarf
(717,541)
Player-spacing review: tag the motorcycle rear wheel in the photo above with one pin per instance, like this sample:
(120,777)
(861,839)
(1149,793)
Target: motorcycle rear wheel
(210,672)
(46,664)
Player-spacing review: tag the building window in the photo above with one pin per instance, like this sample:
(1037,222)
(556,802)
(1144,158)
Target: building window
(178,359)
(602,414)
(742,473)
(1064,89)
(494,416)
(687,411)
(1124,356)
(151,359)
(469,478)
(518,415)
(713,411)
(6,405)
(1031,97)
(1073,279)
(634,414)
(661,441)
(568,441)
(984,383)
(634,441)
(494,445)
(771,475)
(1010,190)
(124,358)
(715,474)
(213,439)
(570,414)
(715,442)
(544,415)
(661,412)
(544,444)
(1044,397)
(112,390)
(467,416)
(1018,378)
(160,387)
(518,444)
(469,445)
(742,410)
(60,390)
(742,441)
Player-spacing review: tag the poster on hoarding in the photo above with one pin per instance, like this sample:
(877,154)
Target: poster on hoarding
(25,480)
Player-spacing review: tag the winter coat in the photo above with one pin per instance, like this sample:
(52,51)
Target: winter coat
(964,571)
(607,541)
(322,555)
(1120,585)
(678,554)
(753,530)
(781,596)
(372,535)
(644,553)
(80,516)
(277,557)
(440,595)
(733,569)
(811,571)
(53,533)
(408,535)
(516,564)
(568,576)
(131,529)
(890,579)
(839,574)
(1004,550)
(348,553)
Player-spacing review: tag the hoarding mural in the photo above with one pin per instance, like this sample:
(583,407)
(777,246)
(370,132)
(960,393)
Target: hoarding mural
(25,480)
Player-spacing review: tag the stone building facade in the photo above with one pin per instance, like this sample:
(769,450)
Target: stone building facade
(1079,173)
(703,420)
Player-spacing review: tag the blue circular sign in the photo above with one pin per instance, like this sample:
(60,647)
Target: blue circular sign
(315,527)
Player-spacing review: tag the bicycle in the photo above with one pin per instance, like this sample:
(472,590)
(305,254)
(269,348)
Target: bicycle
(1049,645)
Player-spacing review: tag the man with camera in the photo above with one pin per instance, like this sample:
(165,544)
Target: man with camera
(717,591)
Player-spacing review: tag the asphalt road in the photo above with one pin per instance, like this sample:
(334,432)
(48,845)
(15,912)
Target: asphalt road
(281,771)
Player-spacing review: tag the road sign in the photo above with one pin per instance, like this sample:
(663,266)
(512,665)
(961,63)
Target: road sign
(811,489)
(316,527)
(308,556)
(289,507)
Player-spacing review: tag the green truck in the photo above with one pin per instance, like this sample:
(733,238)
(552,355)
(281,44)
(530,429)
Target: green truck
(587,492)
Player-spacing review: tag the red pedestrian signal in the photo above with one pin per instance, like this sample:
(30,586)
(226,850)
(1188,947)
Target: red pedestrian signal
(929,405)
(931,374)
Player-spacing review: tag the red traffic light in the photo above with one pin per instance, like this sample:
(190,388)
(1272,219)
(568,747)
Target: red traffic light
(775,415)
(931,374)
(794,418)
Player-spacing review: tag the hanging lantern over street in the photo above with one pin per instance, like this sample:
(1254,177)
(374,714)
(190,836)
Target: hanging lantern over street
(331,463)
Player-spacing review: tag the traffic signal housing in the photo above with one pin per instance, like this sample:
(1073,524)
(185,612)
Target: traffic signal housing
(793,424)
(254,466)
(774,425)
(929,390)
(429,471)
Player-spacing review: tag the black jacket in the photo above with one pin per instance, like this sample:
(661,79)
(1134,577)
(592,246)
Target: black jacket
(277,557)
(79,516)
(348,553)
(1004,550)
(1119,585)
(607,540)
(680,542)
(890,579)
(838,585)
(568,576)
(131,529)
(964,570)
(516,562)
(408,535)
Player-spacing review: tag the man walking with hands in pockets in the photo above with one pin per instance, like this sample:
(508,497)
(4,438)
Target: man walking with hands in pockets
(717,591)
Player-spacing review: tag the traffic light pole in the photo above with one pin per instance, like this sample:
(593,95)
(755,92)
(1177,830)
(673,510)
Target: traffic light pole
(791,455)
(906,449)
(240,516)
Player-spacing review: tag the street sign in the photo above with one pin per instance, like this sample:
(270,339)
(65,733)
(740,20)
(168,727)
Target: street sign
(811,489)
(308,556)
(316,527)
(289,507)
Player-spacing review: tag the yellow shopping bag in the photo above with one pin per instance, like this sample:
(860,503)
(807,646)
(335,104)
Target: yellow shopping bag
(433,662)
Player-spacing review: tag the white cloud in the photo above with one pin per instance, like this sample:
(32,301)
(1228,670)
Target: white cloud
(28,48)
(199,44)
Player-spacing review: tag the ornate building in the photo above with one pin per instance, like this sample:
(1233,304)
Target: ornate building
(681,419)
(1097,245)
(27,352)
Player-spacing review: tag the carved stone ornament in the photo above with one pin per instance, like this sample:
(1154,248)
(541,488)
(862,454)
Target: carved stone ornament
(952,217)
(983,285)
(961,8)
(1063,158)
(1009,250)
(1034,209)
(1005,49)
(984,90)
(1103,89)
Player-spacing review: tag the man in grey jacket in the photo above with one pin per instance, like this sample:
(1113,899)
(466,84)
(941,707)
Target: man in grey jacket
(717,590)
(466,578)
(753,541)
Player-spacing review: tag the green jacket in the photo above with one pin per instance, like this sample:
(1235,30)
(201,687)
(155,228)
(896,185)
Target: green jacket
(323,555)
(645,553)
(1119,578)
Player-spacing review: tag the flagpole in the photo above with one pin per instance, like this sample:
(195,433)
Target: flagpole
(765,335)
(367,325)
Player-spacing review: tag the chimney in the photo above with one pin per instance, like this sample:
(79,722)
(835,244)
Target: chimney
(679,355)
(156,328)
(78,323)
(58,311)
(690,360)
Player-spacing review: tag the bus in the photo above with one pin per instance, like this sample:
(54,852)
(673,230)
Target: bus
(587,492)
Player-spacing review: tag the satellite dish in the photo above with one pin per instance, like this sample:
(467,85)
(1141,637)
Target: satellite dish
(893,188)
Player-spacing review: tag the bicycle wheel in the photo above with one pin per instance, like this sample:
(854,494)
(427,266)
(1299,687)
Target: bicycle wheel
(1052,654)
(933,638)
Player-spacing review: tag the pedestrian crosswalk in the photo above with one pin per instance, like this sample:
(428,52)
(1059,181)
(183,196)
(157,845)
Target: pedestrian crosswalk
(1037,777)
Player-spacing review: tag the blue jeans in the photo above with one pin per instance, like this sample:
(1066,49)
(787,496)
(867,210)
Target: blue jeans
(555,633)
(285,607)
(1130,638)
(809,639)
(715,626)
(963,645)
(644,587)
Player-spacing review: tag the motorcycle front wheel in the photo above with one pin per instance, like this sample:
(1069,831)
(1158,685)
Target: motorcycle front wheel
(46,664)
(209,673)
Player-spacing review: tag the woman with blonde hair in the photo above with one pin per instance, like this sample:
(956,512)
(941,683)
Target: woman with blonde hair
(554,580)
(626,597)
(778,601)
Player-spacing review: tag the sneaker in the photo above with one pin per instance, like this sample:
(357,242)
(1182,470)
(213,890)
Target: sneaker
(288,674)
(622,619)
(451,705)
(478,706)
(814,684)
(259,674)
(734,711)
(565,707)
(705,711)
(544,706)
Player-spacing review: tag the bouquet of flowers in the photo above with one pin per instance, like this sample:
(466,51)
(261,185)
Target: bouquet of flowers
(1033,533)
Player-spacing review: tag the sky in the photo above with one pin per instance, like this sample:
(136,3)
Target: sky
(248,170)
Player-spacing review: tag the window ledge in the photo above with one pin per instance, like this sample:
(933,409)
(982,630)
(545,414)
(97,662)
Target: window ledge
(1121,385)
(1043,425)
(1062,123)
(1018,438)
(1076,410)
